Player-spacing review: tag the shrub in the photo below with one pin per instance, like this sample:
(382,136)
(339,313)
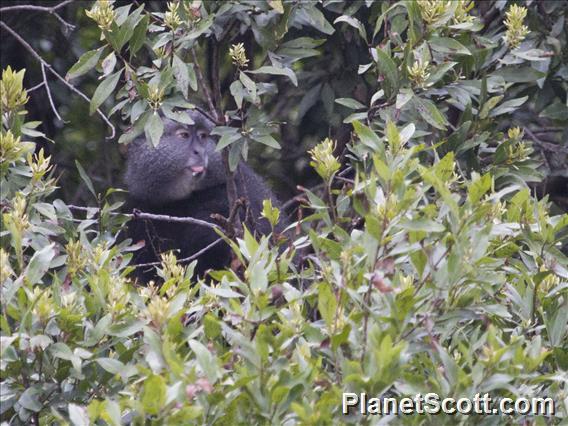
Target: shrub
(430,268)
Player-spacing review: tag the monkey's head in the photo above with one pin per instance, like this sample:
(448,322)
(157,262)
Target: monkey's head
(175,168)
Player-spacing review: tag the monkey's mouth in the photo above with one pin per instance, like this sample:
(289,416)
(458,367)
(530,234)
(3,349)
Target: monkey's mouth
(197,170)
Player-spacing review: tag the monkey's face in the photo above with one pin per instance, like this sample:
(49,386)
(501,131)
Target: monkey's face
(176,167)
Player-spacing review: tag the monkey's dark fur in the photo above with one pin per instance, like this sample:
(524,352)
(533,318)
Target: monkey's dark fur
(184,176)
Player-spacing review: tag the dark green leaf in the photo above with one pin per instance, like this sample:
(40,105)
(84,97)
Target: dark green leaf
(86,179)
(154,128)
(86,62)
(104,90)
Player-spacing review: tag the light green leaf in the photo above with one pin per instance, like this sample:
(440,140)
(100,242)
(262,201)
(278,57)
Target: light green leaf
(368,137)
(153,396)
(327,303)
(205,359)
(108,64)
(350,103)
(78,415)
(39,263)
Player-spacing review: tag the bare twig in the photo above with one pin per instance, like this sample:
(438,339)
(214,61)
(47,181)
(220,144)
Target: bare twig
(185,259)
(204,86)
(545,146)
(214,77)
(37,86)
(37,8)
(137,214)
(205,113)
(50,10)
(48,91)
(56,74)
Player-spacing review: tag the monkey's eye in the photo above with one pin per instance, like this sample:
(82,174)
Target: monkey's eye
(182,133)
(202,134)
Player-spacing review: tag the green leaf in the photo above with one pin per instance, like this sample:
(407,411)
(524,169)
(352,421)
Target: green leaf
(311,15)
(327,303)
(276,5)
(448,45)
(368,137)
(86,62)
(228,138)
(514,74)
(489,105)
(267,140)
(249,84)
(205,359)
(422,224)
(508,106)
(355,23)
(179,116)
(268,69)
(86,179)
(192,77)
(113,366)
(350,103)
(154,129)
(139,35)
(136,130)
(211,326)
(39,263)
(126,30)
(30,400)
(108,64)
(430,113)
(479,187)
(153,396)
(238,92)
(393,136)
(104,91)
(78,415)
(389,70)
(181,75)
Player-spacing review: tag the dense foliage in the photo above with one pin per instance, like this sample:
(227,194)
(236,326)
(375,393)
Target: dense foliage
(429,265)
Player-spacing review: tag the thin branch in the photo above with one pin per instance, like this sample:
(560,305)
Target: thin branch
(214,77)
(37,86)
(545,146)
(50,10)
(48,91)
(56,74)
(205,113)
(204,86)
(185,259)
(37,8)
(137,214)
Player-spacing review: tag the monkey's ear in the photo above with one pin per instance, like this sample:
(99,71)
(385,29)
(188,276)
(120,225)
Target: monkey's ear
(123,149)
